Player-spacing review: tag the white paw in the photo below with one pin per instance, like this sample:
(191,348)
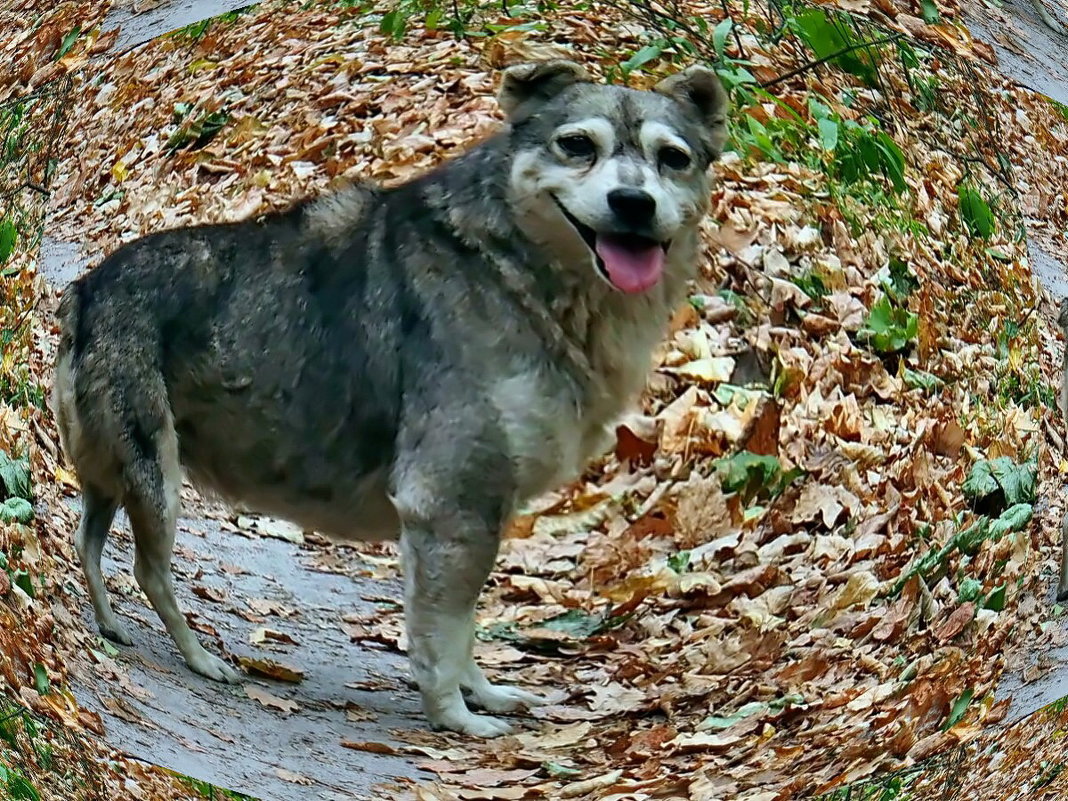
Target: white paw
(503,699)
(214,668)
(475,725)
(116,632)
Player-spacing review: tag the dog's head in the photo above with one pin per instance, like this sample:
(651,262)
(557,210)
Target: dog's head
(621,172)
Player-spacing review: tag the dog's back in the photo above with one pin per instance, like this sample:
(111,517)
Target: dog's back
(234,347)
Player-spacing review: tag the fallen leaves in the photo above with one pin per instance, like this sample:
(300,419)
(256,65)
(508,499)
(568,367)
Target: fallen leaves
(271,701)
(653,586)
(271,669)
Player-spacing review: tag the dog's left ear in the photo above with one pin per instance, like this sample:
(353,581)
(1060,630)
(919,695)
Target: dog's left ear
(701,89)
(542,81)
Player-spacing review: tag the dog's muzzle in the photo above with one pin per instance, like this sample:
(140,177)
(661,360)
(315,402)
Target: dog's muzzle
(630,262)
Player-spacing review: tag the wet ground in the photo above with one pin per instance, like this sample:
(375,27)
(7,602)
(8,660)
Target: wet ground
(286,743)
(272,739)
(1028,52)
(140,21)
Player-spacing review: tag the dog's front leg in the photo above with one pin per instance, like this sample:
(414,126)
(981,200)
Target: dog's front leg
(446,562)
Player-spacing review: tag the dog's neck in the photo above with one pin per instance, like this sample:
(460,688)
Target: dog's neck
(605,337)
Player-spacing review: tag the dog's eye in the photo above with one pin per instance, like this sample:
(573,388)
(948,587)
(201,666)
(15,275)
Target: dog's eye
(673,158)
(577,146)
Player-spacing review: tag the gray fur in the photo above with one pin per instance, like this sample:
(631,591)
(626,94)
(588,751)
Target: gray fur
(415,361)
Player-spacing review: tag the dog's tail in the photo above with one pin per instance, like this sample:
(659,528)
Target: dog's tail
(69,316)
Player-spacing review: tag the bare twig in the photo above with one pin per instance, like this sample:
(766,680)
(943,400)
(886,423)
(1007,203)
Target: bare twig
(813,64)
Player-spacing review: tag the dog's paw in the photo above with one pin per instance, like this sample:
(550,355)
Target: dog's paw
(116,632)
(214,668)
(468,722)
(503,699)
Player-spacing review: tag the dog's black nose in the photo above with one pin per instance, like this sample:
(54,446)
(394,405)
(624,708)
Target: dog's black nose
(634,207)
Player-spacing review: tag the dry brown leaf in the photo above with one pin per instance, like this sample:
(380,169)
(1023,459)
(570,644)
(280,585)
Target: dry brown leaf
(269,700)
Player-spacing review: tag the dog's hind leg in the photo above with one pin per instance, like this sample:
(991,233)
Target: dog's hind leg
(98,510)
(151,501)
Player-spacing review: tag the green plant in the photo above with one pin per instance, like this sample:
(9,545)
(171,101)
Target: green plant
(975,211)
(16,786)
(754,475)
(889,328)
(830,39)
(195,130)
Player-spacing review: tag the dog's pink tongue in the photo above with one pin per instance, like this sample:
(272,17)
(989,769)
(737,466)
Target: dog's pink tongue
(631,267)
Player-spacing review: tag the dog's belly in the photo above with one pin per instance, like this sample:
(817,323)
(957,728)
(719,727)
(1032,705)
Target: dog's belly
(356,510)
(364,514)
(290,463)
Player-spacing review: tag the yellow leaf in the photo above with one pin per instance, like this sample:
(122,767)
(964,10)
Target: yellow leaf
(65,476)
(201,64)
(119,171)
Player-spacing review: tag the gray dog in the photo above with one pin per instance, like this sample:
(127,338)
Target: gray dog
(412,362)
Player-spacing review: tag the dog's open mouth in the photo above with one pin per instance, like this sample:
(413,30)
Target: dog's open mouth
(631,263)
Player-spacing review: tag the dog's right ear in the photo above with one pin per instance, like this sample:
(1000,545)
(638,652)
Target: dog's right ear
(537,82)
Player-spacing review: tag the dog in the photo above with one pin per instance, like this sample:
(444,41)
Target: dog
(411,362)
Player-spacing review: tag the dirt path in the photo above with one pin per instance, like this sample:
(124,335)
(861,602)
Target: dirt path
(1033,56)
(162,17)
(234,585)
(154,708)
(1028,52)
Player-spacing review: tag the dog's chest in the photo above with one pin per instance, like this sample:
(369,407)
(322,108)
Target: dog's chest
(554,425)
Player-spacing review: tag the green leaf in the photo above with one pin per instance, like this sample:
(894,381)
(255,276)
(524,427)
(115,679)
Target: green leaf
(748,473)
(679,562)
(960,706)
(969,590)
(919,379)
(558,771)
(930,12)
(643,56)
(762,139)
(734,76)
(1012,519)
(8,234)
(719,37)
(15,476)
(828,133)
(891,160)
(980,481)
(19,788)
(393,23)
(880,318)
(889,328)
(721,722)
(40,679)
(900,281)
(975,212)
(1018,481)
(825,39)
(995,601)
(68,42)
(1000,255)
(16,510)
(22,580)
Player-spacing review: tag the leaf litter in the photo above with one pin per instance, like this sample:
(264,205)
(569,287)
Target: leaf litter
(722,595)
